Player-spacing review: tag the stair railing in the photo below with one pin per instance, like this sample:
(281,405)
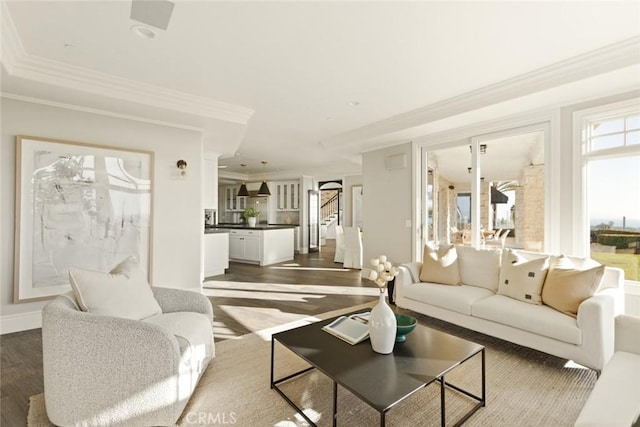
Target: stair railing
(329,208)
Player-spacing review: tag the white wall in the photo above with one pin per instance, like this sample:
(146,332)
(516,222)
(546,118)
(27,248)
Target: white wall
(177,208)
(387,204)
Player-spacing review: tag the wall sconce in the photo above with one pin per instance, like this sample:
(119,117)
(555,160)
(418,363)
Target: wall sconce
(469,170)
(182,167)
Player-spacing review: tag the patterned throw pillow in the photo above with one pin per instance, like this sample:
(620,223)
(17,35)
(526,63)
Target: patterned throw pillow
(566,287)
(522,279)
(440,265)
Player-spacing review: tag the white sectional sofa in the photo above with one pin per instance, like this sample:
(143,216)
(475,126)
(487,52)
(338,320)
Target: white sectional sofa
(479,302)
(615,399)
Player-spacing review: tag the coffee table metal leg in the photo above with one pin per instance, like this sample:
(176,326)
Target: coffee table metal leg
(272,354)
(442,407)
(484,395)
(383,420)
(275,383)
(335,404)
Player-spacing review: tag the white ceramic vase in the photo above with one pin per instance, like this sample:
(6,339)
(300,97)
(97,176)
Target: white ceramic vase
(382,327)
(251,221)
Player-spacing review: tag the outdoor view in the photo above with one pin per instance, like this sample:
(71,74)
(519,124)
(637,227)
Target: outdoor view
(613,192)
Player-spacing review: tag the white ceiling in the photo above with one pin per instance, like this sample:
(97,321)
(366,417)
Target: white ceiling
(291,68)
(504,160)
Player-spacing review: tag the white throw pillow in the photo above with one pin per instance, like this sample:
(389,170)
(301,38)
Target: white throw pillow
(522,279)
(123,292)
(479,267)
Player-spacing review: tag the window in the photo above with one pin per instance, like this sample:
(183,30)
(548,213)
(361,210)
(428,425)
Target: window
(611,158)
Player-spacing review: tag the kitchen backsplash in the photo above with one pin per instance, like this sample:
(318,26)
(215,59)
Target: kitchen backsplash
(284,217)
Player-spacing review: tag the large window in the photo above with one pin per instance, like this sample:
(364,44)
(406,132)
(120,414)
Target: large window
(507,190)
(611,154)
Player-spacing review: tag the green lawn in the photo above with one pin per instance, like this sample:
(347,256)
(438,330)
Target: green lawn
(628,262)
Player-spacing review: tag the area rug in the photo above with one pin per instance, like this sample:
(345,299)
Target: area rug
(524,387)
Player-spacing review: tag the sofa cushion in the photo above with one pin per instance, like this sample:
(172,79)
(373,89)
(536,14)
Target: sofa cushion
(565,287)
(479,267)
(615,399)
(440,265)
(122,292)
(522,279)
(455,298)
(538,319)
(194,333)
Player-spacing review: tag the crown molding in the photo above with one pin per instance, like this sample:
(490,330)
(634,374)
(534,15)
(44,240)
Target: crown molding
(21,64)
(97,111)
(606,59)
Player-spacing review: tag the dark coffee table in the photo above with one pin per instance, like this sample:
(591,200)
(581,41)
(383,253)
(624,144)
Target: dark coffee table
(423,359)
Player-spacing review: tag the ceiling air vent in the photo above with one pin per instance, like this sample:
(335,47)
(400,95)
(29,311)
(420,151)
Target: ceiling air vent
(156,13)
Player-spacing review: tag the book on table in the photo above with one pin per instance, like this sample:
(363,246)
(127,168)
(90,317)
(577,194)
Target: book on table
(352,329)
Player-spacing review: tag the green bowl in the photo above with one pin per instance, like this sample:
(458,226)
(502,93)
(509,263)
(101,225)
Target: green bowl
(406,324)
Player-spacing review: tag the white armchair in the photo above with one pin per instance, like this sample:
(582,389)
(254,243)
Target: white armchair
(103,370)
(615,399)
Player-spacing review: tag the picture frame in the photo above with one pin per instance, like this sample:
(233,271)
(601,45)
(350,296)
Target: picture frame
(78,205)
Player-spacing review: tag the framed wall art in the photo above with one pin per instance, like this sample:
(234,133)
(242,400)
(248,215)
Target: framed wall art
(77,205)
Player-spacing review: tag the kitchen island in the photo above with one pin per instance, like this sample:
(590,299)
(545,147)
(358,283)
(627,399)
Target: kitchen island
(216,251)
(262,244)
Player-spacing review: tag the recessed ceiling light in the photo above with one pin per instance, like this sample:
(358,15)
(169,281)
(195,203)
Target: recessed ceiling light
(354,103)
(222,166)
(142,31)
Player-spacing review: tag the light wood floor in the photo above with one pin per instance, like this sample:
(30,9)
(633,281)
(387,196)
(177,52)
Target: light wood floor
(246,299)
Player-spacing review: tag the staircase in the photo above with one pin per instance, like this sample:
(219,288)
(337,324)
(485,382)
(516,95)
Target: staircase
(329,214)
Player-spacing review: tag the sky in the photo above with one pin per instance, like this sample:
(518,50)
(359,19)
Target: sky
(613,191)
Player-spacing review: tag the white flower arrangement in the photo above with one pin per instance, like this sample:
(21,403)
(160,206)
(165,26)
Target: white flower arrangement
(382,272)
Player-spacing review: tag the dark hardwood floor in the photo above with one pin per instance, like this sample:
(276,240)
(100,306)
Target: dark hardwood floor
(246,299)
(250,298)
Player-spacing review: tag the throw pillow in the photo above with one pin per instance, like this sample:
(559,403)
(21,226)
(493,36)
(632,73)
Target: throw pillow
(440,265)
(479,267)
(123,292)
(566,287)
(522,279)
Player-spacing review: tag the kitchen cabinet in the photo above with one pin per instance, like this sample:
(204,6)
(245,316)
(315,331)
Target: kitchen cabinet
(287,195)
(262,247)
(216,253)
(233,202)
(244,245)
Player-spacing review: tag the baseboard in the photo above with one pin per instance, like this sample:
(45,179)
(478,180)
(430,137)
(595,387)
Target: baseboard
(20,322)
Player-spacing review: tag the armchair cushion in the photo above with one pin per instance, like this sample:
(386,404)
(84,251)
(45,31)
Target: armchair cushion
(193,332)
(122,292)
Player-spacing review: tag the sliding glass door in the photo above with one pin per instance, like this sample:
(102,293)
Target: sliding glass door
(483,188)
